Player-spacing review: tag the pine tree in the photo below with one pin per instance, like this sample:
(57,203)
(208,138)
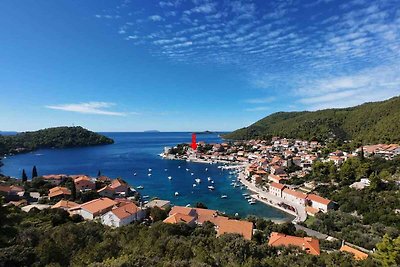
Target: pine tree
(99,173)
(24,176)
(34,172)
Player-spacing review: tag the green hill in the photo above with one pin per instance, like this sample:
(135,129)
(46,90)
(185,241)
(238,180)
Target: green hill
(370,122)
(58,137)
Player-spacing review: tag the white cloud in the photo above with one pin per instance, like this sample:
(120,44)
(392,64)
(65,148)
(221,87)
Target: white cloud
(155,18)
(98,108)
(260,100)
(255,109)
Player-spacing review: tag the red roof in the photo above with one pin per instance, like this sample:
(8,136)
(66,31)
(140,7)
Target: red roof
(310,245)
(318,199)
(276,185)
(126,210)
(295,193)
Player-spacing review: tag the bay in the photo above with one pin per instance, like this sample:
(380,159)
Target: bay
(136,153)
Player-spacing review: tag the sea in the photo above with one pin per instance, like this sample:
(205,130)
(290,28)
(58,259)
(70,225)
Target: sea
(137,153)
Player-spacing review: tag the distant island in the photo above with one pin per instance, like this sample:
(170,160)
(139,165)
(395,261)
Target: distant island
(58,137)
(151,131)
(205,132)
(375,122)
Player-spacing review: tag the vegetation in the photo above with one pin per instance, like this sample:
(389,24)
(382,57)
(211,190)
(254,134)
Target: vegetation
(59,137)
(368,123)
(364,216)
(52,238)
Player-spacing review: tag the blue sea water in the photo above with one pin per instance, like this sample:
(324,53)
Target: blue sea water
(136,153)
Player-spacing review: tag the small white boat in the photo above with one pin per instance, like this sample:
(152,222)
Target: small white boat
(194,185)
(247,197)
(145,202)
(135,174)
(150,170)
(197,180)
(140,187)
(212,182)
(146,196)
(236,214)
(188,205)
(206,169)
(192,173)
(209,178)
(245,194)
(211,187)
(169,177)
(252,202)
(187,170)
(149,174)
(176,194)
(224,196)
(179,166)
(165,170)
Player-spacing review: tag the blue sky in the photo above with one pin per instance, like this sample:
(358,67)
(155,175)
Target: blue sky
(172,65)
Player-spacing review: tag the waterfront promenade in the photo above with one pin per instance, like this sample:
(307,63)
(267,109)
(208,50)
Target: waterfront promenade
(269,199)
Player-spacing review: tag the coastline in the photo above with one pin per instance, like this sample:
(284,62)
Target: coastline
(265,198)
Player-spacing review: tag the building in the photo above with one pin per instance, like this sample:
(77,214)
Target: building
(307,244)
(320,203)
(59,192)
(64,204)
(162,204)
(275,178)
(54,179)
(276,189)
(123,215)
(119,186)
(106,191)
(11,192)
(83,183)
(94,208)
(181,218)
(243,228)
(294,196)
(358,255)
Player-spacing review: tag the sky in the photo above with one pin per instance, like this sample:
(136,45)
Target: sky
(190,65)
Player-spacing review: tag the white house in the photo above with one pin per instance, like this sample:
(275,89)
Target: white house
(294,196)
(320,203)
(276,189)
(123,215)
(94,208)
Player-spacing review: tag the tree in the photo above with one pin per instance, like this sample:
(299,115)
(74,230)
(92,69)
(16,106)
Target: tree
(99,173)
(388,251)
(73,191)
(34,172)
(201,205)
(24,176)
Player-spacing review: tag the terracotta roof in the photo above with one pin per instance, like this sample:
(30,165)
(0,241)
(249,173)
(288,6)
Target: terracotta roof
(358,255)
(179,218)
(243,228)
(98,205)
(276,185)
(183,210)
(59,190)
(81,178)
(64,204)
(11,188)
(318,199)
(311,210)
(54,176)
(276,177)
(126,210)
(106,188)
(204,215)
(310,245)
(294,193)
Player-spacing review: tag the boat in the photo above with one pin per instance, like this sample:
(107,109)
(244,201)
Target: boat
(211,187)
(197,180)
(232,183)
(149,174)
(187,206)
(194,185)
(135,174)
(209,178)
(176,194)
(165,170)
(192,173)
(236,185)
(179,166)
(150,170)
(145,202)
(206,169)
(224,196)
(245,194)
(212,182)
(140,187)
(145,196)
(169,177)
(187,170)
(251,202)
(247,197)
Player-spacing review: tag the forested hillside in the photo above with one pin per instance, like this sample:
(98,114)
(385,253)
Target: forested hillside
(370,122)
(58,137)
